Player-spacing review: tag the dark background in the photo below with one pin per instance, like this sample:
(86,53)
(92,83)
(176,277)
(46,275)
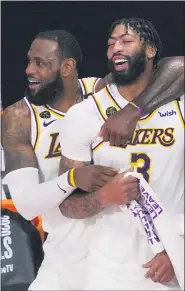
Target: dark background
(88,21)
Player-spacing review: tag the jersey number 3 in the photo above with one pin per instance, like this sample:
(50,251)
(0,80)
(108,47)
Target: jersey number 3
(143,164)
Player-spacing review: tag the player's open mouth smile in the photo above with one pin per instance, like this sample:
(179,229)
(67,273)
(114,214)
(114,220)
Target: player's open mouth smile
(120,63)
(34,84)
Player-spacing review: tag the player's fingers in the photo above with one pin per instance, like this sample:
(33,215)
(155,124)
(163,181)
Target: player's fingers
(100,179)
(105,178)
(160,272)
(151,272)
(166,278)
(99,183)
(156,277)
(109,171)
(118,140)
(105,135)
(163,279)
(101,133)
(112,139)
(138,191)
(131,187)
(148,265)
(129,179)
(125,140)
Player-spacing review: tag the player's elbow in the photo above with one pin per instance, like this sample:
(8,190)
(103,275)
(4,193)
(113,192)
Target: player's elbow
(66,212)
(23,206)
(26,212)
(27,215)
(70,211)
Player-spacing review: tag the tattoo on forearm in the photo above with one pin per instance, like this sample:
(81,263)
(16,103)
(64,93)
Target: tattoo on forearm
(67,164)
(81,206)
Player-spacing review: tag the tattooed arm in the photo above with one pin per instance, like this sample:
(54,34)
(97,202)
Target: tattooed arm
(167,85)
(30,197)
(103,82)
(80,204)
(16,137)
(168,76)
(76,139)
(116,190)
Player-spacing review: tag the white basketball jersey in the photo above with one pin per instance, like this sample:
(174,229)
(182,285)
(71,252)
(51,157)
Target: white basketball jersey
(118,243)
(156,148)
(45,133)
(45,127)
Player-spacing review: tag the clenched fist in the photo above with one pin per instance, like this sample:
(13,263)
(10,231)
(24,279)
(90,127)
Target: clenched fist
(119,190)
(119,127)
(160,268)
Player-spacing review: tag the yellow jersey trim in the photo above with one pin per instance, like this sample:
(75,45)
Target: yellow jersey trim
(99,107)
(113,101)
(179,113)
(87,88)
(60,115)
(37,120)
(101,143)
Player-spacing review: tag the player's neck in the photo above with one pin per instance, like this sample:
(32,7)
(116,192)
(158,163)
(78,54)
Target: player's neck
(72,95)
(132,91)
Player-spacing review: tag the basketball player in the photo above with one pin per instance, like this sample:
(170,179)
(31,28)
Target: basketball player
(118,252)
(119,127)
(31,143)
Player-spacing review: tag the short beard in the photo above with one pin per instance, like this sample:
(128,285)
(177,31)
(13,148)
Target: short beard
(136,66)
(49,94)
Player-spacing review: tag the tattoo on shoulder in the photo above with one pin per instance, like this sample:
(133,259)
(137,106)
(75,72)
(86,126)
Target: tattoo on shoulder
(16,141)
(15,122)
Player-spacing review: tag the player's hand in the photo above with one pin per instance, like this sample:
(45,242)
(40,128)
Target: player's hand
(161,269)
(118,128)
(92,177)
(120,190)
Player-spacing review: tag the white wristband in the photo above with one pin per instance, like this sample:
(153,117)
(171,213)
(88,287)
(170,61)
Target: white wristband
(62,183)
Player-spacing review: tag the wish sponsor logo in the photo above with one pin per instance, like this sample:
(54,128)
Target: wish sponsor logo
(167,113)
(45,124)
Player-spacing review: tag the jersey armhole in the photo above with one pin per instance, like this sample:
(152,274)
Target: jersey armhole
(34,124)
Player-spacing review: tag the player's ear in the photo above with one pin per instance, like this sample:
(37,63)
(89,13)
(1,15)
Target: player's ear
(67,67)
(150,52)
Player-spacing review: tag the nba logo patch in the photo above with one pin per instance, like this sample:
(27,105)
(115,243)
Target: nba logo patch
(111,111)
(45,114)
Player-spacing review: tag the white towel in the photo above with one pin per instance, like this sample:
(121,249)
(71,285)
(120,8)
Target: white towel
(163,231)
